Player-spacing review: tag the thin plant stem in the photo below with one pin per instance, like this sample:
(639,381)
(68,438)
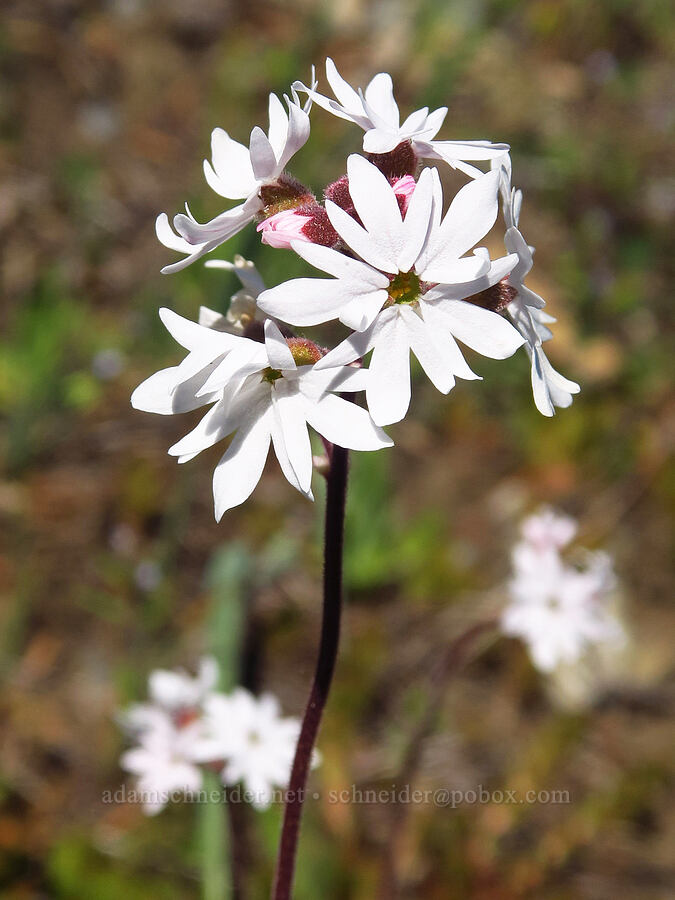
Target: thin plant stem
(448,664)
(215,844)
(330,635)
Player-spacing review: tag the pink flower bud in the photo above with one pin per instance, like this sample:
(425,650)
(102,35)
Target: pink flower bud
(282,228)
(404,188)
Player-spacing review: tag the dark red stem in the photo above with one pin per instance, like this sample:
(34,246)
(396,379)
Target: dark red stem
(325,666)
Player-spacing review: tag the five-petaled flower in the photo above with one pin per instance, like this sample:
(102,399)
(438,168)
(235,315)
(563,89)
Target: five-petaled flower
(265,392)
(407,291)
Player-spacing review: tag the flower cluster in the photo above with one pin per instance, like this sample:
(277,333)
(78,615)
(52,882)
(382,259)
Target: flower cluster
(405,274)
(559,610)
(188,725)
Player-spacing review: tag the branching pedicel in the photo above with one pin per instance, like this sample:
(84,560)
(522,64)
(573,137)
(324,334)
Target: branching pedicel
(405,275)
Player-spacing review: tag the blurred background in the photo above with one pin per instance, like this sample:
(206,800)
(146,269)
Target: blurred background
(111,563)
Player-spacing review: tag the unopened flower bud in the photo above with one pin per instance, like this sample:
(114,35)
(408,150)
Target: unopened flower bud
(283,227)
(305,353)
(400,161)
(404,188)
(284,193)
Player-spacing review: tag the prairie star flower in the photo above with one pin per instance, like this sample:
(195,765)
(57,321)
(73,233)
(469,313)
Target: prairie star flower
(559,611)
(375,111)
(549,387)
(162,761)
(239,173)
(263,392)
(253,739)
(407,290)
(243,310)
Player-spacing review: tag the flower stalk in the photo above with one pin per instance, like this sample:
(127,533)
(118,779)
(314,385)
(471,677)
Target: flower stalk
(330,635)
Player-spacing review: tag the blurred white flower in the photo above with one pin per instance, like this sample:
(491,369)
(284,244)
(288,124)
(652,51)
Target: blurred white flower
(265,393)
(557,609)
(375,111)
(548,529)
(187,725)
(257,744)
(407,290)
(162,762)
(237,173)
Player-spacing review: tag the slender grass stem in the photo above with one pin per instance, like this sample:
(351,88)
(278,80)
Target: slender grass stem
(325,666)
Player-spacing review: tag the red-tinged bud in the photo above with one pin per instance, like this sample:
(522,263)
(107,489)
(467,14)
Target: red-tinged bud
(318,228)
(305,353)
(338,192)
(400,161)
(283,227)
(495,298)
(284,193)
(185,716)
(404,189)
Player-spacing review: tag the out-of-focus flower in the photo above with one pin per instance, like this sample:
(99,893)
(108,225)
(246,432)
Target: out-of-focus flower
(239,173)
(557,609)
(548,529)
(253,739)
(406,292)
(375,111)
(265,393)
(162,760)
(187,725)
(243,310)
(549,387)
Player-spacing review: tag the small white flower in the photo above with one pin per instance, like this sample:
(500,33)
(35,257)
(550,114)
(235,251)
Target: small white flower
(243,309)
(549,387)
(162,760)
(548,529)
(262,394)
(407,290)
(237,173)
(177,690)
(559,611)
(257,744)
(375,111)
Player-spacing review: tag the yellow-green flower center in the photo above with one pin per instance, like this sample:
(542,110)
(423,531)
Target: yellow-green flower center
(270,375)
(404,288)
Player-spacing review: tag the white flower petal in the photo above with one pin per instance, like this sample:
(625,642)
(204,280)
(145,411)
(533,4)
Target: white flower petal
(278,129)
(345,424)
(417,221)
(377,206)
(361,312)
(304,301)
(356,345)
(241,466)
(359,240)
(263,160)
(388,391)
(339,265)
(428,351)
(229,173)
(380,96)
(278,351)
(484,331)
(291,430)
(451,352)
(470,216)
(297,135)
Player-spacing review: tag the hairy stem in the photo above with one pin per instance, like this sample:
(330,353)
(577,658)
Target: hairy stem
(323,675)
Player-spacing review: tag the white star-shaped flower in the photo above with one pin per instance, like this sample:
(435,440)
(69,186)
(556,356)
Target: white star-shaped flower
(253,739)
(263,392)
(162,761)
(375,111)
(559,611)
(406,291)
(237,172)
(549,387)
